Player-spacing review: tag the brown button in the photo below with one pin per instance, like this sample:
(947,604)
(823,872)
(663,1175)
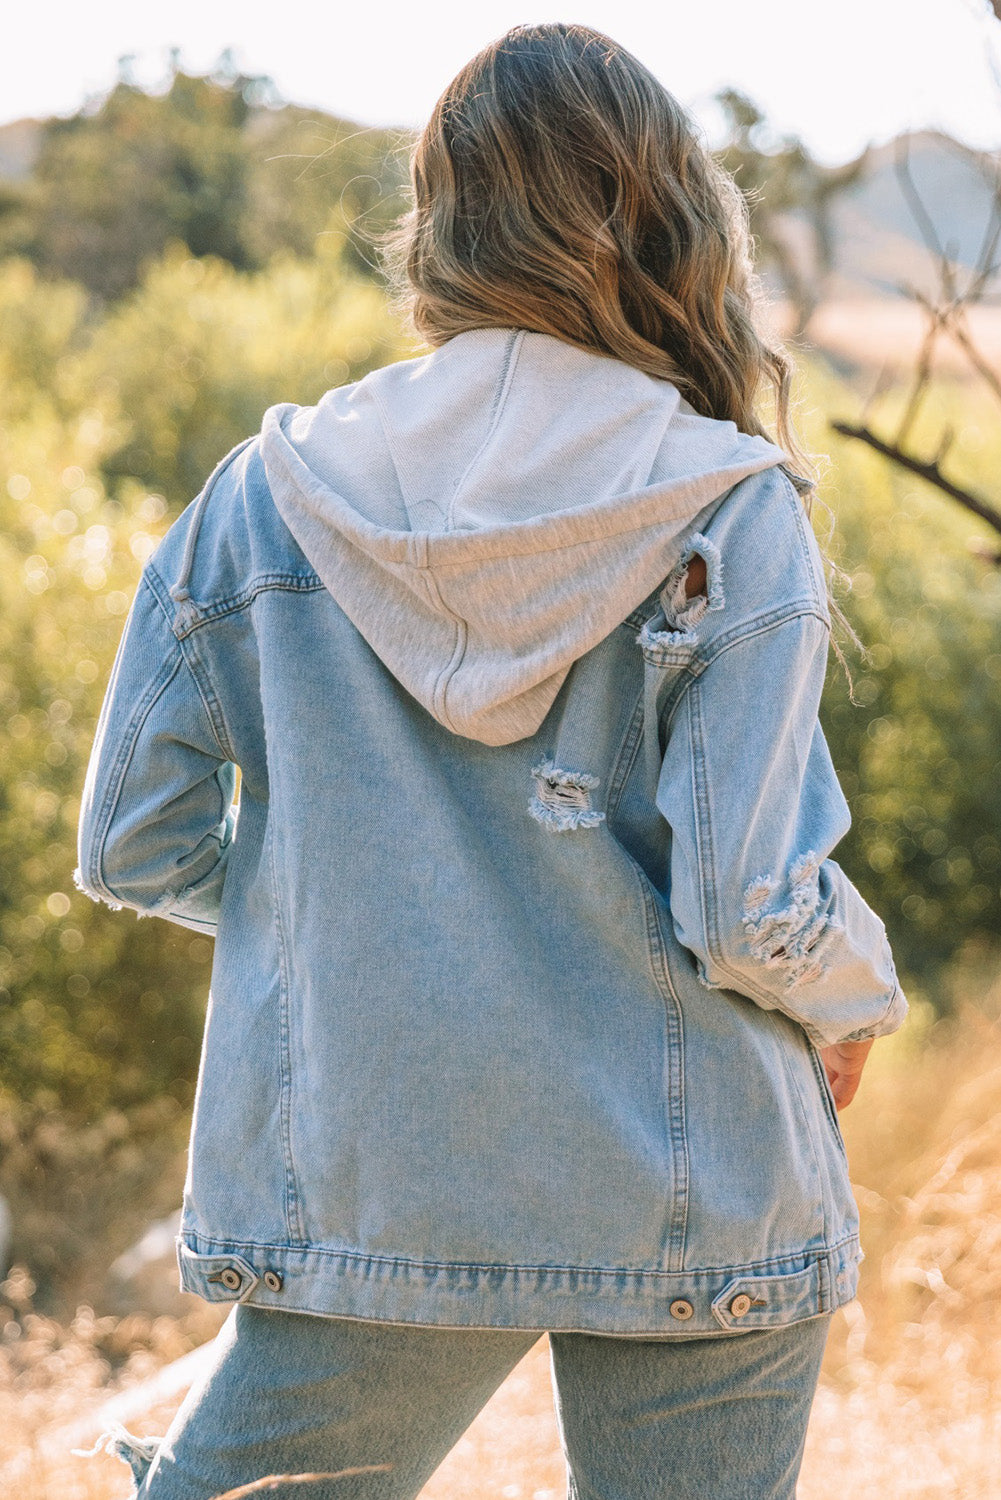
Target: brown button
(231,1279)
(740,1305)
(273,1281)
(683,1310)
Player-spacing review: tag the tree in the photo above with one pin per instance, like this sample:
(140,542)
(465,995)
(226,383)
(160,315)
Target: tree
(213,164)
(784,188)
(946,314)
(115,186)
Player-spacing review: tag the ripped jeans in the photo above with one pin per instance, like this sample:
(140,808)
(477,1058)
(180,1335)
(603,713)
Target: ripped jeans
(288,1394)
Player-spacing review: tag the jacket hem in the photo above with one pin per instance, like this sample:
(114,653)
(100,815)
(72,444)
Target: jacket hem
(569,1299)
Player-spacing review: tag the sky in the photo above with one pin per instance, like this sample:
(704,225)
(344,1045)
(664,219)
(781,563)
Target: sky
(839,77)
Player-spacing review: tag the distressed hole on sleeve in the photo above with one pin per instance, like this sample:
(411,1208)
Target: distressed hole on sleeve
(785,937)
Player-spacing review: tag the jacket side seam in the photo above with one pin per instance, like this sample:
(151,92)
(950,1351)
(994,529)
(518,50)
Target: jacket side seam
(624,758)
(830,1108)
(293,1217)
(817,1151)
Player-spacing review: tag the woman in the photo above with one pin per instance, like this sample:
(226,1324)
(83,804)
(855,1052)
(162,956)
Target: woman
(530,955)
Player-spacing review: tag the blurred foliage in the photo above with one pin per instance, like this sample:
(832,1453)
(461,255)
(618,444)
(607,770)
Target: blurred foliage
(215,163)
(918,753)
(182,368)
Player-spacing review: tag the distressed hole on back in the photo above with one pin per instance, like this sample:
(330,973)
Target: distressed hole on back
(562,799)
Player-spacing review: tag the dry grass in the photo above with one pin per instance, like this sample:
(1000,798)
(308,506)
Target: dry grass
(910,1403)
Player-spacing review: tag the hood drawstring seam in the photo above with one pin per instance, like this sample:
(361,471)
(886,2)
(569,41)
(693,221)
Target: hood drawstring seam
(504,383)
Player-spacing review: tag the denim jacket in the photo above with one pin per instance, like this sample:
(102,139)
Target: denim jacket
(526,926)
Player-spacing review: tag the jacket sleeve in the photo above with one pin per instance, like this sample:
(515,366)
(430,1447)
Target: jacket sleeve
(755,808)
(157,817)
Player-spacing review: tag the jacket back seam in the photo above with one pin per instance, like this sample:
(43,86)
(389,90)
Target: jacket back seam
(624,759)
(673,1245)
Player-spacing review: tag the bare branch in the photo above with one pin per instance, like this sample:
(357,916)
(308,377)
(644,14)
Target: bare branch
(922,375)
(959,331)
(989,244)
(945,442)
(928,471)
(922,217)
(950,319)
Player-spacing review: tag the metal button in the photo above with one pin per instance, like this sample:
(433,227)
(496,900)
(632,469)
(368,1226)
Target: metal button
(273,1281)
(231,1279)
(683,1310)
(740,1305)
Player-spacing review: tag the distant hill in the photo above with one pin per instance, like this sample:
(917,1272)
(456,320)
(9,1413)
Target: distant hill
(878,240)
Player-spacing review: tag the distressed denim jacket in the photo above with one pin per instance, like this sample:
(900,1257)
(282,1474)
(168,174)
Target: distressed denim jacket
(527,929)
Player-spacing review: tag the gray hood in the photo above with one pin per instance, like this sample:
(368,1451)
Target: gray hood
(487,514)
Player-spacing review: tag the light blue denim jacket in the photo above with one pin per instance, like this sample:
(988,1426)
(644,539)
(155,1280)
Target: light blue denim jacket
(527,930)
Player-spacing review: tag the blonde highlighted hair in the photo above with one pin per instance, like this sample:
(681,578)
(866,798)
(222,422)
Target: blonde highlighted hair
(559,187)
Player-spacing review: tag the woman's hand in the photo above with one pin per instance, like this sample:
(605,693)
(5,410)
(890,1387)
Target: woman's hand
(843,1064)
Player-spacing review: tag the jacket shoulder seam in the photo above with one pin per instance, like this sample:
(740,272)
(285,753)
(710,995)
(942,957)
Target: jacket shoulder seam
(196,670)
(759,624)
(802,520)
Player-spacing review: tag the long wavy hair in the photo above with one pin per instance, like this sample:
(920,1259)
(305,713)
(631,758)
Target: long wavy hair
(558,187)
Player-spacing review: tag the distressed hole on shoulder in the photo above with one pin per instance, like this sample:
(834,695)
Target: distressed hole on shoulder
(695,576)
(694,586)
(692,589)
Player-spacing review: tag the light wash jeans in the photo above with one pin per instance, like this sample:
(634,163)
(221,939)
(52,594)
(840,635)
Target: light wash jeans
(720,1418)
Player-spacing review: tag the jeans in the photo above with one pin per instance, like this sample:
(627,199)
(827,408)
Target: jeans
(720,1418)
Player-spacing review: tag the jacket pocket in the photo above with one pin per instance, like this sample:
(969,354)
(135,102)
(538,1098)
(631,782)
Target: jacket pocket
(827,1095)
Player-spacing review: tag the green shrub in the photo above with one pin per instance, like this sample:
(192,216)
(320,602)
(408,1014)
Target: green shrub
(920,753)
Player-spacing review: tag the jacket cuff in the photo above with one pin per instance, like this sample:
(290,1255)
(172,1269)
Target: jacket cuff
(892,1019)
